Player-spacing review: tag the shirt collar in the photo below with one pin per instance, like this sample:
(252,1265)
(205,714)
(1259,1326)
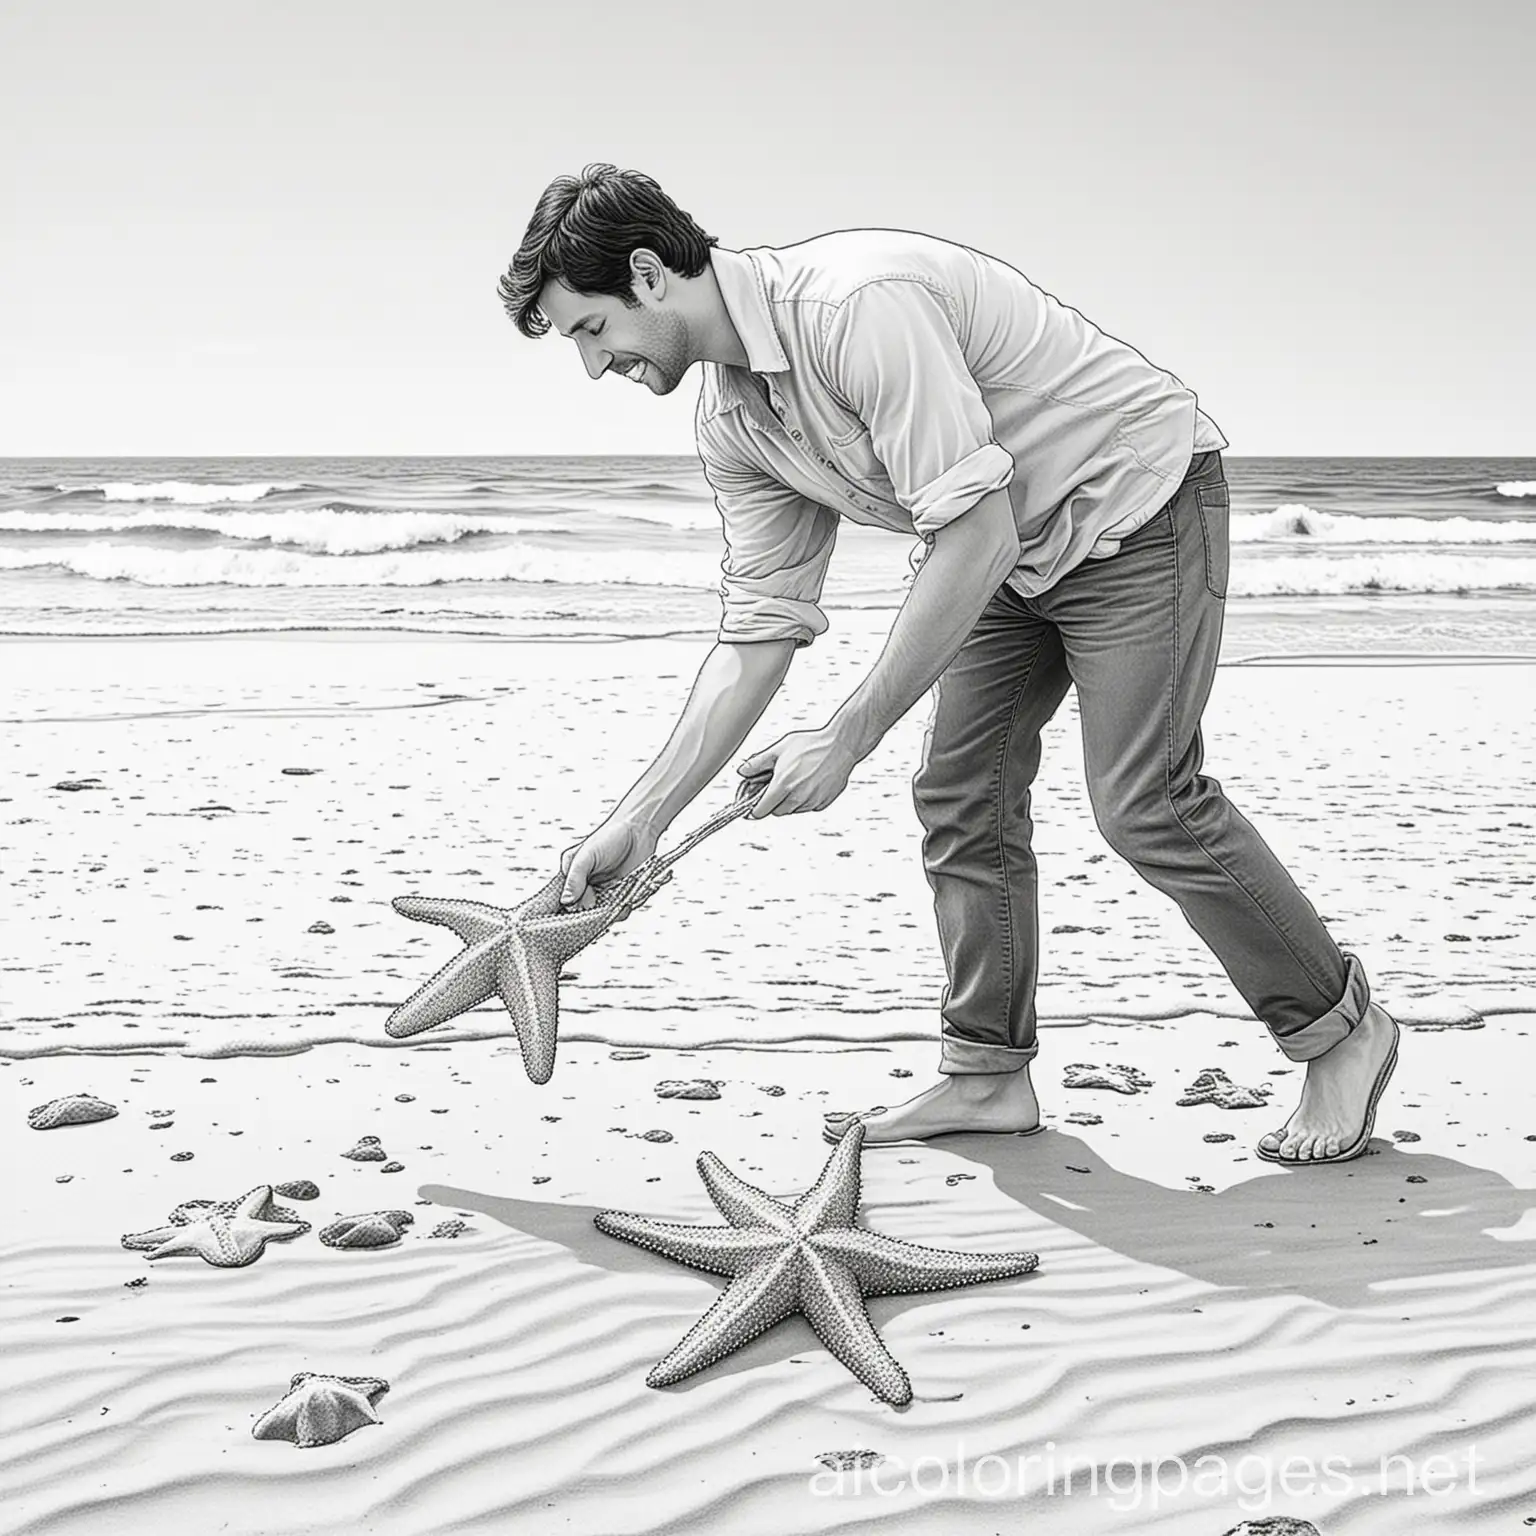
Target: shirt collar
(746,302)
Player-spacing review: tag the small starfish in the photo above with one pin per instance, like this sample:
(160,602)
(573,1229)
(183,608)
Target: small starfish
(808,1258)
(227,1238)
(516,952)
(319,1410)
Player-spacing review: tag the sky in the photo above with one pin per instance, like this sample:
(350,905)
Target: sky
(277,227)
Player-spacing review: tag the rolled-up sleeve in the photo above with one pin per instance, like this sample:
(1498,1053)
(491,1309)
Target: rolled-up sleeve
(777,546)
(892,352)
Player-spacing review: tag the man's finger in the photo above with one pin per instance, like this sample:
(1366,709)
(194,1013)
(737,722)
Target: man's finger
(768,802)
(575,880)
(753,786)
(759,763)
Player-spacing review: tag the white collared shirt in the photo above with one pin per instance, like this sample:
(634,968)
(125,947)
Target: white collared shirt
(896,379)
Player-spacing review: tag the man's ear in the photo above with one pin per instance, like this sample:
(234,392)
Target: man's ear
(649,273)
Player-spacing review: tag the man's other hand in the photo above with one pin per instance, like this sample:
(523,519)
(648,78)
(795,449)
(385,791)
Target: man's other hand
(809,770)
(617,847)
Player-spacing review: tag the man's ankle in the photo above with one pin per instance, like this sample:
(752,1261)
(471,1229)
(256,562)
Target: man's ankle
(984,1084)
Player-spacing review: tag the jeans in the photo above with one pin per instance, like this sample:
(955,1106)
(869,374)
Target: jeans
(1138,633)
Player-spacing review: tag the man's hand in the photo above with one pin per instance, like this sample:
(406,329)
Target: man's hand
(809,771)
(618,846)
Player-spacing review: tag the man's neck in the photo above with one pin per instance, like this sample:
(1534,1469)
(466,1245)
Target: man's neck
(715,335)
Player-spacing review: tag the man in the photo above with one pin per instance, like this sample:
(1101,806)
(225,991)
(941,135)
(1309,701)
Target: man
(1074,507)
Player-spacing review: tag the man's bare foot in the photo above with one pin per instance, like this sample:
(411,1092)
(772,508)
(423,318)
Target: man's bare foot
(1338,1100)
(994,1101)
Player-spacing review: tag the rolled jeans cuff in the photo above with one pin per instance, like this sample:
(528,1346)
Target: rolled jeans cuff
(1322,1034)
(973,1058)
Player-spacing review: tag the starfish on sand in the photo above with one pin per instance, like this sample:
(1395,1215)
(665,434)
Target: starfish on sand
(227,1236)
(807,1257)
(516,953)
(319,1410)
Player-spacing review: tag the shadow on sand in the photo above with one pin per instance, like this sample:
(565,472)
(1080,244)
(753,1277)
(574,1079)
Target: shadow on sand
(1330,1233)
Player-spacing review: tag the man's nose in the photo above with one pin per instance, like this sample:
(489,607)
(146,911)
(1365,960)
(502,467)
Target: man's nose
(597,360)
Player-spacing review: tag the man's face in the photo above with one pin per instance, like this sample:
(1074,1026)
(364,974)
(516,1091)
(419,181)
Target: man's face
(647,344)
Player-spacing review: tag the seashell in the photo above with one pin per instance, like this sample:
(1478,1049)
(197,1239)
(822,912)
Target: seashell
(320,1410)
(298,1189)
(72,1109)
(367,1150)
(373,1229)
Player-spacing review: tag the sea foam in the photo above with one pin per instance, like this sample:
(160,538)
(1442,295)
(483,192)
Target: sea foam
(1296,520)
(193,491)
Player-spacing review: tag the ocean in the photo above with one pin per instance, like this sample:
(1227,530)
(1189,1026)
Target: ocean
(624,546)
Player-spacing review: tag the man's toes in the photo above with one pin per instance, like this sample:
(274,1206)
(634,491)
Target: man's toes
(1270,1141)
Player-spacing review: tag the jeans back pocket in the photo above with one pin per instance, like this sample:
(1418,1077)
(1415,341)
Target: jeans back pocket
(1215,504)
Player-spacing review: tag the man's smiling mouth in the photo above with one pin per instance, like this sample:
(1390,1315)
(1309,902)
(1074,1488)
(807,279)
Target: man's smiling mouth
(634,370)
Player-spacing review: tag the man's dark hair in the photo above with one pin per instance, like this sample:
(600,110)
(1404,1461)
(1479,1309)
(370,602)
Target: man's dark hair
(583,232)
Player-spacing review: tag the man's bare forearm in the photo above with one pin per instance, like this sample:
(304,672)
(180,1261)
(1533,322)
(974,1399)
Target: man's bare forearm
(733,688)
(969,560)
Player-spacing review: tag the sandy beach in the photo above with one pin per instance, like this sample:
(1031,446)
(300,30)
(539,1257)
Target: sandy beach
(202,838)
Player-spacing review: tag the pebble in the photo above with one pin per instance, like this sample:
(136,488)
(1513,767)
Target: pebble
(1084,1117)
(627,1055)
(298,1189)
(405,1098)
(773,1090)
(900,1072)
(656,1136)
(320,928)
(393,1167)
(849,1461)
(1406,1136)
(1275,1525)
(1215,1136)
(448,1229)
(300,772)
(181,1157)
(694,1088)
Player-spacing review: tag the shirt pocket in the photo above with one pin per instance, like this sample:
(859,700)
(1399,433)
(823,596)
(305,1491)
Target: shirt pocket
(855,459)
